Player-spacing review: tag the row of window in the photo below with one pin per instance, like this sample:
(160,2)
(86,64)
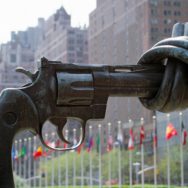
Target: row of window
(169,13)
(156,30)
(175,3)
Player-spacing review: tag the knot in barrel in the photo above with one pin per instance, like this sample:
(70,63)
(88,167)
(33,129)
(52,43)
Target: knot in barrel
(173,91)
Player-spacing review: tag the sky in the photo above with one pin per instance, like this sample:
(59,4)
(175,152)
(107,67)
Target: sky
(17,15)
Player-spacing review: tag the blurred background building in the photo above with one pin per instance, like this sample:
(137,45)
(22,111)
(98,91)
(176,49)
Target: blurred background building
(119,32)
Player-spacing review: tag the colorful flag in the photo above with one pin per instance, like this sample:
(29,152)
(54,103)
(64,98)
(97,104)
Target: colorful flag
(170,131)
(131,140)
(98,142)
(155,139)
(183,134)
(38,153)
(22,152)
(109,143)
(79,148)
(90,144)
(65,145)
(120,137)
(14,154)
(142,135)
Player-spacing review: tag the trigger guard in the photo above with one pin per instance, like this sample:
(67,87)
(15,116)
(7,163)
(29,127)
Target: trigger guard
(82,137)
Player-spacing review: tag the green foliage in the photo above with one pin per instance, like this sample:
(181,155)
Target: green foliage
(175,166)
(67,159)
(19,182)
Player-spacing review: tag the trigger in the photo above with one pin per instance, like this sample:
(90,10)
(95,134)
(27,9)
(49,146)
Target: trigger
(60,123)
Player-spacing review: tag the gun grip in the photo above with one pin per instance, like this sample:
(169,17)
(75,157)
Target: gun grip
(17,113)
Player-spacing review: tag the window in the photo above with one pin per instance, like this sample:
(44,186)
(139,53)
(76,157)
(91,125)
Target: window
(177,13)
(167,12)
(13,58)
(167,3)
(177,4)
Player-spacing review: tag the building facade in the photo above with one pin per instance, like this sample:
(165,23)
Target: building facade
(121,30)
(61,42)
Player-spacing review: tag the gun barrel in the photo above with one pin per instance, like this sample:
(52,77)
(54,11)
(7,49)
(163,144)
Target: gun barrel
(86,88)
(129,84)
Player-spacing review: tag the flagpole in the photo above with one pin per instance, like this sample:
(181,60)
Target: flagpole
(119,156)
(168,156)
(24,160)
(45,161)
(34,162)
(19,159)
(29,161)
(39,170)
(16,155)
(67,162)
(59,169)
(155,151)
(130,162)
(142,155)
(90,159)
(53,170)
(100,165)
(181,150)
(74,158)
(109,158)
(82,166)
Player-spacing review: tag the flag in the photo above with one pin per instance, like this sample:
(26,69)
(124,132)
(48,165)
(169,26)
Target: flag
(38,153)
(22,152)
(109,143)
(98,142)
(183,134)
(142,134)
(14,154)
(65,145)
(131,140)
(90,144)
(170,131)
(79,148)
(155,139)
(120,137)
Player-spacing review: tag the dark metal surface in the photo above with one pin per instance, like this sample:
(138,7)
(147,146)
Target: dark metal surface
(59,91)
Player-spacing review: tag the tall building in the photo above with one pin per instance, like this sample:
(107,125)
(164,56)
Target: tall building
(121,30)
(53,38)
(19,52)
(61,41)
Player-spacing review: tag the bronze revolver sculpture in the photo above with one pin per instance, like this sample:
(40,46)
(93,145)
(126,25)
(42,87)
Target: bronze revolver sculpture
(60,91)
